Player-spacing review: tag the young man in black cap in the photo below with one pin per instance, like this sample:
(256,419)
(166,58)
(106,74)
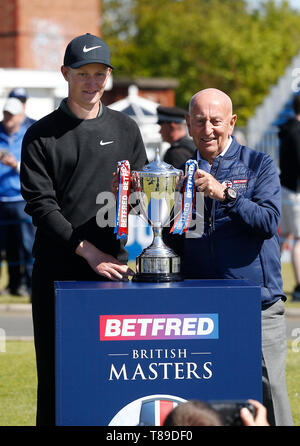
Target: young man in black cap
(68,159)
(174,131)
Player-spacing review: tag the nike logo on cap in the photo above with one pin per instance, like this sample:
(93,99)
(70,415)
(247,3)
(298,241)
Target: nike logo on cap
(104,143)
(86,50)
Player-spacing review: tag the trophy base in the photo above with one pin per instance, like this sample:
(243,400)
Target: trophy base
(157,277)
(157,269)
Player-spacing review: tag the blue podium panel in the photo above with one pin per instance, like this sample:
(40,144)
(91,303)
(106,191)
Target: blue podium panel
(126,353)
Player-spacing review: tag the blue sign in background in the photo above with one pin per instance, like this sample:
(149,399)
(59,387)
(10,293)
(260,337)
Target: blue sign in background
(96,379)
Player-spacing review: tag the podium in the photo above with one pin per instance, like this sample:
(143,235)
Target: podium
(127,353)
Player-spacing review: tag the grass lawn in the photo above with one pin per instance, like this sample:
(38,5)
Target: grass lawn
(293,382)
(17,384)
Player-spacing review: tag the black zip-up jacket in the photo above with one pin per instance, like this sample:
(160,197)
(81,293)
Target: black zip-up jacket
(180,151)
(289,154)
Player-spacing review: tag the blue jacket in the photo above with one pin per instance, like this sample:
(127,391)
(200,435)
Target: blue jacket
(10,187)
(240,239)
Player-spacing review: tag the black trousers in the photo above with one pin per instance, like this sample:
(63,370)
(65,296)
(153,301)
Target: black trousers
(43,314)
(16,239)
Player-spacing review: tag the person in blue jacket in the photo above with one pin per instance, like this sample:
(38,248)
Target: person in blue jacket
(16,229)
(242,205)
(22,94)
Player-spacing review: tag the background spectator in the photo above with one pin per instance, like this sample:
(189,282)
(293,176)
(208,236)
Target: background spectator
(16,230)
(22,95)
(289,163)
(174,131)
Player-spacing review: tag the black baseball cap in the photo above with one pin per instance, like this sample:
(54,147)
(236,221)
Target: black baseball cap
(87,49)
(171,114)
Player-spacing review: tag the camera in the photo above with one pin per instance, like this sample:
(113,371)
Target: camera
(230,411)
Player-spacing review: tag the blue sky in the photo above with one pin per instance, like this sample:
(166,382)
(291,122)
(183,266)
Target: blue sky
(293,3)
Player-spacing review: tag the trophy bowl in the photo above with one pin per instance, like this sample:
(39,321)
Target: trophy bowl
(156,186)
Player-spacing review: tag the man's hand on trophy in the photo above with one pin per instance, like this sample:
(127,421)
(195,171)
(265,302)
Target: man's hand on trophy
(180,182)
(206,183)
(102,263)
(115,184)
(135,181)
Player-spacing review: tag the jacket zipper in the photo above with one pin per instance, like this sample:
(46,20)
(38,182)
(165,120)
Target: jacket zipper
(211,222)
(211,219)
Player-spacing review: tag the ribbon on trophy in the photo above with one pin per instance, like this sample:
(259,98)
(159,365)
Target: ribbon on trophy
(182,222)
(124,179)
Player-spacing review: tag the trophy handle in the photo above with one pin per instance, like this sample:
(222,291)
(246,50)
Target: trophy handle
(136,184)
(178,196)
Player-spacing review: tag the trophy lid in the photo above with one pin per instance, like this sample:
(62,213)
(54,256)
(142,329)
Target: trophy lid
(158,167)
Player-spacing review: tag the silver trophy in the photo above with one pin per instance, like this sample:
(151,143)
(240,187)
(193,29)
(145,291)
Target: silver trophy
(156,186)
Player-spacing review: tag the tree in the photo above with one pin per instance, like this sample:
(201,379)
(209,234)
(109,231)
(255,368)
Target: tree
(204,43)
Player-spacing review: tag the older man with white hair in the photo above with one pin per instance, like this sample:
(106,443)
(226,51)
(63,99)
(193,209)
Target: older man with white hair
(242,197)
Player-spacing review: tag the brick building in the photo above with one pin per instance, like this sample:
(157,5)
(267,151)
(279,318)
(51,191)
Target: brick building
(153,89)
(33,38)
(34,33)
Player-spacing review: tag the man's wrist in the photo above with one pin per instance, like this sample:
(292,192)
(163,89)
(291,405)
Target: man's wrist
(230,195)
(80,249)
